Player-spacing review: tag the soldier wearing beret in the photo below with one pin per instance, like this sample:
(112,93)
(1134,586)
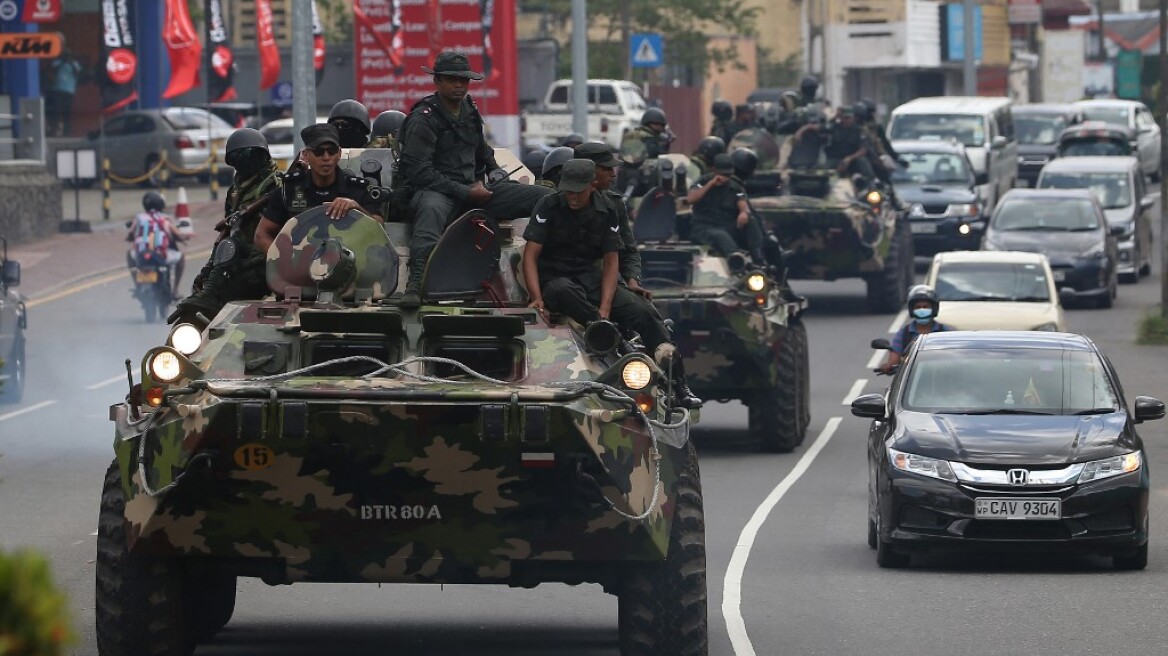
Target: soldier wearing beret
(571,264)
(323,183)
(444,161)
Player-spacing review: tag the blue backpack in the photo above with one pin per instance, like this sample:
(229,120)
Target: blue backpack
(150,232)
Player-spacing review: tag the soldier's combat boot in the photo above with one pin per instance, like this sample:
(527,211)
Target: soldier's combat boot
(412,296)
(682,394)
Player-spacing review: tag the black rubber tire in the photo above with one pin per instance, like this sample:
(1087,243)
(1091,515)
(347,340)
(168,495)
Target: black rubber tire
(774,413)
(888,289)
(149,305)
(214,595)
(15,367)
(887,556)
(139,608)
(871,534)
(1137,560)
(662,606)
(802,358)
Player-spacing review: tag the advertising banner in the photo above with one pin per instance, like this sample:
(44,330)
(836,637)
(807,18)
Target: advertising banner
(266,42)
(395,38)
(318,51)
(120,54)
(183,47)
(220,58)
(42,11)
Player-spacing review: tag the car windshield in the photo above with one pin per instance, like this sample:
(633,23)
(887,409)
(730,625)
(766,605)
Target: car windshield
(992,281)
(932,168)
(1008,381)
(967,129)
(1112,189)
(1111,115)
(1039,129)
(1088,146)
(186,118)
(1050,214)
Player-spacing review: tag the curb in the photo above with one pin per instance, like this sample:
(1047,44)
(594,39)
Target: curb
(76,280)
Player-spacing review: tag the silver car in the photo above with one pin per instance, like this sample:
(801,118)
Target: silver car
(135,140)
(1134,117)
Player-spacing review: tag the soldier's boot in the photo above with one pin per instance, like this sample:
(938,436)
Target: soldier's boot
(682,394)
(412,296)
(758,257)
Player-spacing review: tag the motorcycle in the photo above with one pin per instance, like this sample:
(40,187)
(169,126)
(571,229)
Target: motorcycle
(152,288)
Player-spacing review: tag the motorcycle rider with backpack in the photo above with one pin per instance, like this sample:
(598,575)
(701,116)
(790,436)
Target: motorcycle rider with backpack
(151,229)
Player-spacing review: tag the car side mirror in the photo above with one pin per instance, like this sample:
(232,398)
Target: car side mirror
(872,406)
(1147,408)
(881,344)
(1115,230)
(1147,202)
(11,273)
(998,143)
(1066,295)
(981,178)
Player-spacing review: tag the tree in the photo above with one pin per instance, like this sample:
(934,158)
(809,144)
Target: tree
(685,25)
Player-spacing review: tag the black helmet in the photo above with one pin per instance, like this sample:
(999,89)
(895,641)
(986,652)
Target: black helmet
(349,108)
(555,159)
(711,146)
(920,293)
(572,140)
(247,152)
(387,123)
(533,160)
(744,161)
(862,111)
(809,85)
(722,110)
(153,201)
(245,138)
(654,115)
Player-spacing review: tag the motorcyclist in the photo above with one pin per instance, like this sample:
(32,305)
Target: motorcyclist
(923,307)
(553,165)
(351,119)
(707,149)
(151,229)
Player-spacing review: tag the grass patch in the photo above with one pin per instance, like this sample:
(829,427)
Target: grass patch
(1153,329)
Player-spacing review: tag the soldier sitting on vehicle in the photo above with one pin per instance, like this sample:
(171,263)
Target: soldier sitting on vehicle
(708,148)
(607,165)
(351,119)
(723,121)
(385,131)
(744,118)
(847,149)
(649,141)
(553,164)
(721,214)
(568,234)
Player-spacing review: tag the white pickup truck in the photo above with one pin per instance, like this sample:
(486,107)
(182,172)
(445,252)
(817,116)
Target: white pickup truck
(613,107)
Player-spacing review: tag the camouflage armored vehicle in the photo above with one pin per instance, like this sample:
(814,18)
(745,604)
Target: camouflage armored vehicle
(327,434)
(737,324)
(835,228)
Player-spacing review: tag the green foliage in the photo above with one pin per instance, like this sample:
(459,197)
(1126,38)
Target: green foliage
(1153,329)
(34,617)
(785,73)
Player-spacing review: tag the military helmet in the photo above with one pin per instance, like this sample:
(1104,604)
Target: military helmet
(351,109)
(809,85)
(654,115)
(388,123)
(572,140)
(556,159)
(153,201)
(924,293)
(862,110)
(745,161)
(711,146)
(722,110)
(533,160)
(245,138)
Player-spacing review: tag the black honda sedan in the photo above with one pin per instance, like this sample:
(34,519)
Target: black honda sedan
(1006,440)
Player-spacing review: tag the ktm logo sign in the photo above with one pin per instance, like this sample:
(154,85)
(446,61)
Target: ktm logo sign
(30,45)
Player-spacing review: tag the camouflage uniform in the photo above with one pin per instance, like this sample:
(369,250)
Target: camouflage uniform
(643,144)
(388,141)
(715,220)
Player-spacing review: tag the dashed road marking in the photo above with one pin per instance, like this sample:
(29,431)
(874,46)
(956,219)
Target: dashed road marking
(898,321)
(31,408)
(857,388)
(732,585)
(876,359)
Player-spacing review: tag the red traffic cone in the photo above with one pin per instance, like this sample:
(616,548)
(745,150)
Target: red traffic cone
(182,215)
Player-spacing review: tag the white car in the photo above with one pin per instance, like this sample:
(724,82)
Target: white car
(996,290)
(280,135)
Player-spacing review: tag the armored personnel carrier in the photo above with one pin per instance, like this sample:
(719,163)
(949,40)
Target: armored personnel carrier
(327,434)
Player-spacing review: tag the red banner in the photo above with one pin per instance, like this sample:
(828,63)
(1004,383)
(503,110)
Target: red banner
(42,11)
(266,41)
(182,44)
(318,50)
(120,54)
(220,59)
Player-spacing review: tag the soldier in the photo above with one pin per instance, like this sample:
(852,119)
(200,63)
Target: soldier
(238,274)
(649,141)
(385,131)
(744,118)
(723,118)
(553,164)
(351,120)
(721,215)
(324,183)
(874,130)
(445,157)
(607,164)
(847,149)
(572,140)
(808,90)
(707,150)
(533,160)
(569,232)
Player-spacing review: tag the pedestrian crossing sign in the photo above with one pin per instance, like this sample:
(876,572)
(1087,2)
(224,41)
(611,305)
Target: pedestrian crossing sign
(646,50)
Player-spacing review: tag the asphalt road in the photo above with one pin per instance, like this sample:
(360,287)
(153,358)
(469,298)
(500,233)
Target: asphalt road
(785,533)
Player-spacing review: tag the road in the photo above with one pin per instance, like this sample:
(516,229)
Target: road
(792,548)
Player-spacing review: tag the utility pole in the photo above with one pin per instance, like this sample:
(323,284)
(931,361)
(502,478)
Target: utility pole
(1161,107)
(303,75)
(580,68)
(969,70)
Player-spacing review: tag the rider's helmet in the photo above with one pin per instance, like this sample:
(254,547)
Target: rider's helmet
(247,151)
(388,123)
(351,120)
(711,146)
(152,201)
(556,159)
(745,161)
(722,110)
(533,160)
(654,115)
(925,293)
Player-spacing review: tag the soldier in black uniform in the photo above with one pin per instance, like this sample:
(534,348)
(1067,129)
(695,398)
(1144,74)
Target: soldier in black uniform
(324,183)
(721,216)
(568,233)
(708,148)
(723,120)
(553,165)
(847,149)
(744,118)
(445,157)
(351,119)
(607,165)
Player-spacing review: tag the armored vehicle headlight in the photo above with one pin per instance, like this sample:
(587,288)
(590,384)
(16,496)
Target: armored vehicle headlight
(186,339)
(165,366)
(875,197)
(756,282)
(636,374)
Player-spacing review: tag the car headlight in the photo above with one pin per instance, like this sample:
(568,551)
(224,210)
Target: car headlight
(1097,470)
(915,464)
(636,374)
(1093,253)
(1049,327)
(165,367)
(964,209)
(916,210)
(756,282)
(186,339)
(875,197)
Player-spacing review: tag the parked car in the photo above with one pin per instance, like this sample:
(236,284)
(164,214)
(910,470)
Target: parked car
(280,134)
(996,290)
(13,322)
(134,140)
(941,191)
(1122,192)
(1134,117)
(1095,139)
(614,106)
(1038,128)
(1069,226)
(1008,441)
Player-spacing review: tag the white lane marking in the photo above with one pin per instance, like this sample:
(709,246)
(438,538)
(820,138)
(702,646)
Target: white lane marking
(857,387)
(876,359)
(31,408)
(900,319)
(732,585)
(107,381)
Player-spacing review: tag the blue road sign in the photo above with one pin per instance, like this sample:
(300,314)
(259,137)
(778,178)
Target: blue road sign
(646,50)
(282,94)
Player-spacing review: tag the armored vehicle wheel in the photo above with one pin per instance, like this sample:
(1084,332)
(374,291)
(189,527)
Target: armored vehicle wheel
(214,594)
(139,600)
(888,287)
(663,605)
(775,414)
(803,358)
(12,390)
